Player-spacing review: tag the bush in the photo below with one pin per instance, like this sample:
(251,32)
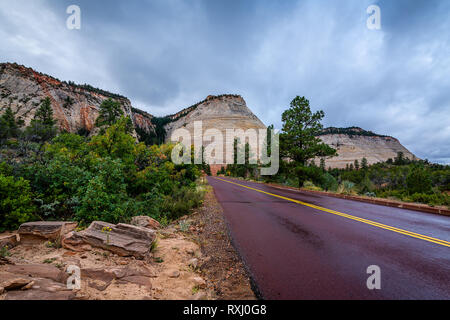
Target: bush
(419,181)
(16,205)
(431,199)
(366,186)
(181,202)
(104,197)
(329,182)
(346,187)
(308,185)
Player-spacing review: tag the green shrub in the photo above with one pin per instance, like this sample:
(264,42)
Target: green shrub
(104,197)
(308,185)
(181,202)
(329,182)
(346,187)
(419,181)
(16,204)
(431,199)
(366,185)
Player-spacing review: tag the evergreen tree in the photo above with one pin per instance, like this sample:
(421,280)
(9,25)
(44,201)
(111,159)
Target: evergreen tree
(356,164)
(322,163)
(110,111)
(364,165)
(298,140)
(9,126)
(42,126)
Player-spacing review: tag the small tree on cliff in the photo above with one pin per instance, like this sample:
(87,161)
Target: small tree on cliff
(110,112)
(42,126)
(9,125)
(299,140)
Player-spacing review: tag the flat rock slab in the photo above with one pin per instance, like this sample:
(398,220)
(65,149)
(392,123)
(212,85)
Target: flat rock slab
(122,239)
(39,271)
(42,289)
(11,281)
(36,294)
(33,232)
(100,279)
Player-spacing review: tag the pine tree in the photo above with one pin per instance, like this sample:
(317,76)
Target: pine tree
(364,163)
(322,164)
(298,140)
(356,164)
(42,126)
(9,126)
(110,112)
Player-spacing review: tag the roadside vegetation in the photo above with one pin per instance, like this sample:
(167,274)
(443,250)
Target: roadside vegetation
(51,175)
(399,179)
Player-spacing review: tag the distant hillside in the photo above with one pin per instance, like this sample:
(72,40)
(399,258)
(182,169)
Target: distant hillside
(75,107)
(350,131)
(354,143)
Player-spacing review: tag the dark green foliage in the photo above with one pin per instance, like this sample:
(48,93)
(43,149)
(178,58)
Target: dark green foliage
(160,133)
(181,201)
(329,183)
(419,181)
(42,126)
(364,164)
(16,205)
(110,111)
(9,125)
(350,131)
(68,102)
(108,177)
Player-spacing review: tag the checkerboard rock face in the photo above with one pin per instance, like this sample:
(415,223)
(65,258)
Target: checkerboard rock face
(35,232)
(121,239)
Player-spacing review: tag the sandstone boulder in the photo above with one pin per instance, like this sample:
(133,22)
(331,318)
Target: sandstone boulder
(145,221)
(9,240)
(34,282)
(121,239)
(34,232)
(11,281)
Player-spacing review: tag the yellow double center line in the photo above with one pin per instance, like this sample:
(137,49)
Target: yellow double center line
(348,216)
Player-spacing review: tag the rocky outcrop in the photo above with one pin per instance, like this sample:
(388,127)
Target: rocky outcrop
(145,222)
(218,112)
(75,107)
(215,112)
(32,232)
(8,241)
(355,144)
(122,239)
(34,282)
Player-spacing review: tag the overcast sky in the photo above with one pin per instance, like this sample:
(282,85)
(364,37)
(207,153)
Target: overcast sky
(169,54)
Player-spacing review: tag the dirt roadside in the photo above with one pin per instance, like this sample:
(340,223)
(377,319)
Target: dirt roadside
(193,259)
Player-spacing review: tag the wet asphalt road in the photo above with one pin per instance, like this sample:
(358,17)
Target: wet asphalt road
(294,251)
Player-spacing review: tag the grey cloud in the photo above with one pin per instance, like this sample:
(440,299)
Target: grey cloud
(168,54)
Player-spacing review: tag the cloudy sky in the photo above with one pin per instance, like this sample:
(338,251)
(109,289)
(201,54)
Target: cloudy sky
(168,54)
